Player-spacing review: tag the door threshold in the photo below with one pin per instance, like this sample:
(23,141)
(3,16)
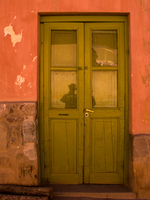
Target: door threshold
(94,191)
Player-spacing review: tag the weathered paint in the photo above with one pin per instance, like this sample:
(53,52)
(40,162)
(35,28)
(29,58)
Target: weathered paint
(9,31)
(30,151)
(34,58)
(14,38)
(20,80)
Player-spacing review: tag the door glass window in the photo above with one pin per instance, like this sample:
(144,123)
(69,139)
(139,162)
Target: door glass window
(63,48)
(104,48)
(63,69)
(104,89)
(63,90)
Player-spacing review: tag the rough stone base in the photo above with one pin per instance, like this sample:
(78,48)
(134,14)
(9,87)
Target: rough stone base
(16,197)
(18,143)
(140,162)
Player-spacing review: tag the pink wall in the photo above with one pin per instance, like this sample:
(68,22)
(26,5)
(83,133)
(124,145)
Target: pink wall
(19,55)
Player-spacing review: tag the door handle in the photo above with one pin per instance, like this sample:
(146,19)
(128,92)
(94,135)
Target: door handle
(88,110)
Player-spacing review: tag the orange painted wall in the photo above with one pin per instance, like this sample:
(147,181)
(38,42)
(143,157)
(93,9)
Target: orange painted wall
(19,54)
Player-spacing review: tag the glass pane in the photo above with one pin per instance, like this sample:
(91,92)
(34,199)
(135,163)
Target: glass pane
(63,48)
(63,90)
(104,89)
(104,48)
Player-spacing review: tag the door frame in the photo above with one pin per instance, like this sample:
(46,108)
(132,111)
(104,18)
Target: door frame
(113,19)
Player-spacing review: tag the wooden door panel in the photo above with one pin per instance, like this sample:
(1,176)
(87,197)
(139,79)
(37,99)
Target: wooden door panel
(104,82)
(63,151)
(104,145)
(105,178)
(64,146)
(106,162)
(62,110)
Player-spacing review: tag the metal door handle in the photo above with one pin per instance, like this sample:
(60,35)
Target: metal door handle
(88,110)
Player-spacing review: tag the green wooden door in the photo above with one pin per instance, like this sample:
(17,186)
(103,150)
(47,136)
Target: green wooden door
(82,103)
(104,94)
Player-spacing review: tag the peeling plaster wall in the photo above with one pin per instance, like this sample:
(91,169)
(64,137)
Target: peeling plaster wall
(14,38)
(19,79)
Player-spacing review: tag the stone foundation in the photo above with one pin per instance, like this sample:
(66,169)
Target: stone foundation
(18,143)
(140,165)
(15,197)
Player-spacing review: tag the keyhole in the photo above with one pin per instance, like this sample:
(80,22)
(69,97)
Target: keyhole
(86,114)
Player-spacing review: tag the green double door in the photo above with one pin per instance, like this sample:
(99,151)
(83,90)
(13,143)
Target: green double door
(82,102)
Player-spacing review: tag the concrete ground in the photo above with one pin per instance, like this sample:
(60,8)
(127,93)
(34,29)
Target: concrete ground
(92,192)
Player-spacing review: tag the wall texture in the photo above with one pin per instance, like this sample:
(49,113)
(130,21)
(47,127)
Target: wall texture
(18,143)
(19,82)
